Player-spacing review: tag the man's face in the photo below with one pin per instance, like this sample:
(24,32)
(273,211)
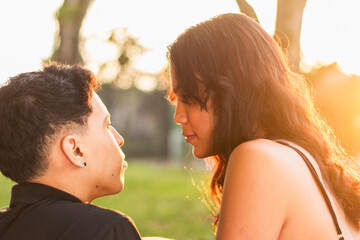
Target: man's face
(101,151)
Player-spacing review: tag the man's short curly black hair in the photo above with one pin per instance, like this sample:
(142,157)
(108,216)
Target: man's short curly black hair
(34,106)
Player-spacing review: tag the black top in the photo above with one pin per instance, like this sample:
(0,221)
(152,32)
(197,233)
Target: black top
(42,212)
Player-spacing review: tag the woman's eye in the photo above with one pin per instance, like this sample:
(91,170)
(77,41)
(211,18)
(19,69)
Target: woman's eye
(187,101)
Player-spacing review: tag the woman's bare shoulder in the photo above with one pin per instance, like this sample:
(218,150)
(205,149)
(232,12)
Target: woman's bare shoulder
(267,179)
(267,161)
(256,184)
(261,151)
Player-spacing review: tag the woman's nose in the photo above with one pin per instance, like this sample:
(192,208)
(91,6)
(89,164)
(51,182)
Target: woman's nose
(119,139)
(180,114)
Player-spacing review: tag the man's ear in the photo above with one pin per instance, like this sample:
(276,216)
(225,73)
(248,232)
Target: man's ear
(72,150)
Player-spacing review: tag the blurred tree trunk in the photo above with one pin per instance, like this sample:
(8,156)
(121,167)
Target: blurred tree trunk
(247,9)
(70,17)
(288,29)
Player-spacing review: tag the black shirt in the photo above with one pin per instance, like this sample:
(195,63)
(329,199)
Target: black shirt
(42,212)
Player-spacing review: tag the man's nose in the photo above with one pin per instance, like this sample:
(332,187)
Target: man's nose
(119,139)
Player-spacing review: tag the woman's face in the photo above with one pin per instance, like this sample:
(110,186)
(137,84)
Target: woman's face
(197,124)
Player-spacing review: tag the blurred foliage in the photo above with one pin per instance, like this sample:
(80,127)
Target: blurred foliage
(67,12)
(120,71)
(287,27)
(338,98)
(66,43)
(247,9)
(142,118)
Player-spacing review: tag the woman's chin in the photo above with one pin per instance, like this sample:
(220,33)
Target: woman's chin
(200,154)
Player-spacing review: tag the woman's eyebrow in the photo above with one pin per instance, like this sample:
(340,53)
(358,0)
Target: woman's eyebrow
(175,89)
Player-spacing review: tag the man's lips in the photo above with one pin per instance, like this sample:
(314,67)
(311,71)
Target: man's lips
(125,164)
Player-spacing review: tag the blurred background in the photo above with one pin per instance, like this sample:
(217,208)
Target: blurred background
(125,42)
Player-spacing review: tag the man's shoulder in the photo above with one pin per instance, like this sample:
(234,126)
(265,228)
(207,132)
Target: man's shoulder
(66,220)
(5,209)
(90,211)
(104,213)
(90,220)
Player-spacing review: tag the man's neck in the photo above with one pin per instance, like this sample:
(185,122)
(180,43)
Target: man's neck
(65,185)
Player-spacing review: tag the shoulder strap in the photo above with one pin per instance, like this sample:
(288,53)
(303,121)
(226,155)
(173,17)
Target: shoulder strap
(317,179)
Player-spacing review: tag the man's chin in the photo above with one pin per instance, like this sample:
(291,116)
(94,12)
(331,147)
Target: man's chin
(115,189)
(119,188)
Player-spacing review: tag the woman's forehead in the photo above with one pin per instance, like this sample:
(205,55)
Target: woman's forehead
(173,79)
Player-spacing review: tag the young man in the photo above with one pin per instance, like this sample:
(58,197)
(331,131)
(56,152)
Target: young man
(57,142)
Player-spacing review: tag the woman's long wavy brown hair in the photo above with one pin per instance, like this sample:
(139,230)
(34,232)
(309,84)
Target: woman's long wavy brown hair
(244,72)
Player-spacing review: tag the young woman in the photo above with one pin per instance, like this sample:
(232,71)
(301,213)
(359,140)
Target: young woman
(280,174)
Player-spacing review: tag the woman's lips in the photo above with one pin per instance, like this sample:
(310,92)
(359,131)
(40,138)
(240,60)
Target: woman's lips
(189,138)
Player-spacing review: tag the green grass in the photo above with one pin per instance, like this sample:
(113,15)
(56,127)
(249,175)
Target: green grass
(5,191)
(163,200)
